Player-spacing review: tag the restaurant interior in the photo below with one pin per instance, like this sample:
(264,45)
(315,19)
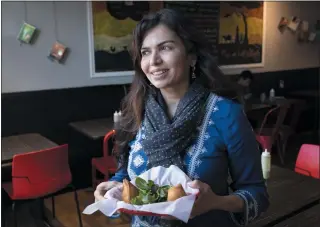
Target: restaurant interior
(62,87)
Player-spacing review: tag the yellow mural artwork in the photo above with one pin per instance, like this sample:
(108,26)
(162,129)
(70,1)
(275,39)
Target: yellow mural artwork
(240,32)
(113,24)
(110,34)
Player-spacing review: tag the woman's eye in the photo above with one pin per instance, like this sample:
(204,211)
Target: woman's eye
(144,53)
(166,48)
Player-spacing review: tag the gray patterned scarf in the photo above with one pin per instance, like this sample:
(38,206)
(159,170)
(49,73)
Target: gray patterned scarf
(167,140)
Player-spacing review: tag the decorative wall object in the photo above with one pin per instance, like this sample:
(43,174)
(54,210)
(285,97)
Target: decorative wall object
(283,24)
(312,36)
(303,33)
(26,33)
(294,23)
(241,34)
(57,52)
(305,26)
(110,35)
(301,28)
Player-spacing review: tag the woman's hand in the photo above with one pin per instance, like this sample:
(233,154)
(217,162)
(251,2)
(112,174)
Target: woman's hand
(207,200)
(103,187)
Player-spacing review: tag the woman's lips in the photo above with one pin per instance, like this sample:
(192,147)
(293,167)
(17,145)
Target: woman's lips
(159,74)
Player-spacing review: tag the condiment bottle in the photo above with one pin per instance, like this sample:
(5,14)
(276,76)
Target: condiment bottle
(266,164)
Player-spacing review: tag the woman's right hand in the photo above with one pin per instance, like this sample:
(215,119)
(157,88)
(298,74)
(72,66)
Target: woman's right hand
(103,187)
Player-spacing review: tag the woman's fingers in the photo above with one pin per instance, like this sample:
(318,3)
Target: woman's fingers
(98,194)
(103,187)
(195,184)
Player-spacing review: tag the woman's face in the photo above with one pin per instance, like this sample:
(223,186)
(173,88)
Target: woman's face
(164,59)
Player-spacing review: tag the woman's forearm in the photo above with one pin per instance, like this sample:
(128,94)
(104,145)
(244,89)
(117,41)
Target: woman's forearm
(231,203)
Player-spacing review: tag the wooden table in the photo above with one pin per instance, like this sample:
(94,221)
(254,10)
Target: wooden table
(276,102)
(258,106)
(23,143)
(255,105)
(94,129)
(288,192)
(307,218)
(306,93)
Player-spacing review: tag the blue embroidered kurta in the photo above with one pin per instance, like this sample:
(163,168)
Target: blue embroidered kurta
(224,149)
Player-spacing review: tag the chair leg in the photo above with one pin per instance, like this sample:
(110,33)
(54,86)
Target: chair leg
(45,220)
(42,208)
(78,207)
(14,208)
(53,207)
(280,152)
(93,176)
(284,146)
(106,176)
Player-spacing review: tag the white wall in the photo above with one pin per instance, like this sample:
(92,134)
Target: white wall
(26,68)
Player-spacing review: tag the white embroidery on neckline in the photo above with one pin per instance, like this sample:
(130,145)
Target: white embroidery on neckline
(199,148)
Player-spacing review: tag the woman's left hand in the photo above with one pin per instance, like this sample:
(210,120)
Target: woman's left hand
(206,201)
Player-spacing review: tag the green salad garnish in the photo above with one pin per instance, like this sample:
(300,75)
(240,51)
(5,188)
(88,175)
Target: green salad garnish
(149,192)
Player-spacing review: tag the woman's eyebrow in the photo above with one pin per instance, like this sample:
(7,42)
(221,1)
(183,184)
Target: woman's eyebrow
(159,44)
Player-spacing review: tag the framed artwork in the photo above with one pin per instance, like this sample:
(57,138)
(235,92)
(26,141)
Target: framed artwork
(57,52)
(26,33)
(110,30)
(241,34)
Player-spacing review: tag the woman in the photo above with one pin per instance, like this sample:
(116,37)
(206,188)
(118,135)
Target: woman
(177,114)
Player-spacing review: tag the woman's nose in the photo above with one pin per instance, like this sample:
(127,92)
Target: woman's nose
(155,58)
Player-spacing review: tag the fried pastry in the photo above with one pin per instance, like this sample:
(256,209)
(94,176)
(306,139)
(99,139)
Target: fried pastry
(176,192)
(129,191)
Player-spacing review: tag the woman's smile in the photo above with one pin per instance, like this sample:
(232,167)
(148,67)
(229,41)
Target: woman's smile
(159,74)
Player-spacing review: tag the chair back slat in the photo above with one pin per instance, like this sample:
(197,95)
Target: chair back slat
(281,111)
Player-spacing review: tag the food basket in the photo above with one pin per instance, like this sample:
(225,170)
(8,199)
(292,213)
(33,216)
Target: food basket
(180,208)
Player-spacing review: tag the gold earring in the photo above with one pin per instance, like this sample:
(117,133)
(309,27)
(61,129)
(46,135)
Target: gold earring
(193,76)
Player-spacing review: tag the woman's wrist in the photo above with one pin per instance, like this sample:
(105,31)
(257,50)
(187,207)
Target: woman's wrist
(230,203)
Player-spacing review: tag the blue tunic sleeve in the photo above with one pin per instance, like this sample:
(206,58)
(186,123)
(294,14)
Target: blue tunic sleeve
(244,161)
(122,172)
(120,175)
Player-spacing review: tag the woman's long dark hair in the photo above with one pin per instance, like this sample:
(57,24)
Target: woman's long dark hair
(206,69)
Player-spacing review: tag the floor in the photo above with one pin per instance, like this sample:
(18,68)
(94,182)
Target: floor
(66,209)
(25,217)
(66,215)
(66,212)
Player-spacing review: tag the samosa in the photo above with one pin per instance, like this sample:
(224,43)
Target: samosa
(129,191)
(176,192)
